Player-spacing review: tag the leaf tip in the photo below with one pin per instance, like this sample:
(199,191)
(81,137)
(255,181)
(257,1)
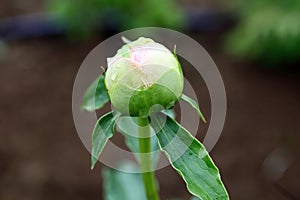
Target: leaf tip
(203,120)
(125,40)
(103,70)
(93,163)
(85,107)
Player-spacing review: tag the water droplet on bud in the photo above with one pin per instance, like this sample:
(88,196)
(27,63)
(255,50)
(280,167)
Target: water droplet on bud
(113,77)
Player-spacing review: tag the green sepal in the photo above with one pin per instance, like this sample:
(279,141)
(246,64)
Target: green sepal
(194,105)
(96,95)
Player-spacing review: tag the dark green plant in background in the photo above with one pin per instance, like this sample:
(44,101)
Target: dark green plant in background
(83,17)
(143,81)
(268,30)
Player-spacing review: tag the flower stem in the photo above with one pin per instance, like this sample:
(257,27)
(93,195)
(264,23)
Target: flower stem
(146,160)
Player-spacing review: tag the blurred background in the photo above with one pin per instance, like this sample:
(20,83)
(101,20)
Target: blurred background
(255,44)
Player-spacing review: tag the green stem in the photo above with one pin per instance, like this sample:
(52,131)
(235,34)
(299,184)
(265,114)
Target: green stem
(145,159)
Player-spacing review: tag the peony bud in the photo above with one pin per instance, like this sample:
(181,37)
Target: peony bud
(141,75)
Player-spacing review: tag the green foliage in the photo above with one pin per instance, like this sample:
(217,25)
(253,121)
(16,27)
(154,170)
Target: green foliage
(268,30)
(194,164)
(185,153)
(104,129)
(128,126)
(171,113)
(96,95)
(129,185)
(121,185)
(194,105)
(189,158)
(82,16)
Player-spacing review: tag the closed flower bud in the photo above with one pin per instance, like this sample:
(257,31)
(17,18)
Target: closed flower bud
(142,75)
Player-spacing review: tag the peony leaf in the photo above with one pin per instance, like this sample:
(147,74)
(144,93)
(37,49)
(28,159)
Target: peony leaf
(96,95)
(171,113)
(121,185)
(104,129)
(189,158)
(194,105)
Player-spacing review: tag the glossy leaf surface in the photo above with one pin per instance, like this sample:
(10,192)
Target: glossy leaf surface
(189,158)
(96,95)
(120,185)
(104,129)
